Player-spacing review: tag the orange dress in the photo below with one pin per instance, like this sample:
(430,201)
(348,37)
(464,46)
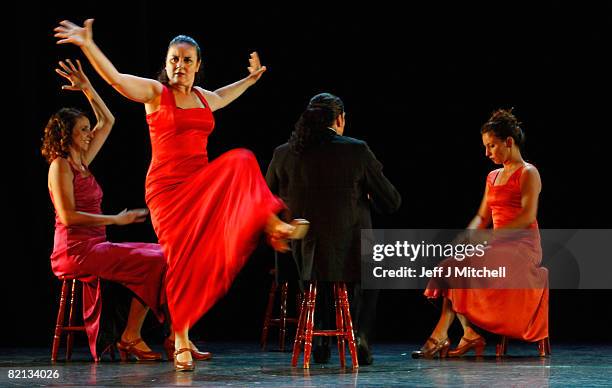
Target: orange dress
(516,313)
(207,216)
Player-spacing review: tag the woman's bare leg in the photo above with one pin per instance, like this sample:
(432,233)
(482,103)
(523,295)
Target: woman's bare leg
(172,337)
(440,332)
(468,332)
(136,317)
(181,340)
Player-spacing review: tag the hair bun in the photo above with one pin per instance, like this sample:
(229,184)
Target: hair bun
(503,123)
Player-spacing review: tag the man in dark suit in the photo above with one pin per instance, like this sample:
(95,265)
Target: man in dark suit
(332,181)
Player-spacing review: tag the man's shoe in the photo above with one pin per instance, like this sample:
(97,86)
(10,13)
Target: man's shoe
(364,355)
(321,354)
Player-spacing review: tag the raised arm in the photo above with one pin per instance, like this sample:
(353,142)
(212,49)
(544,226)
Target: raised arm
(138,89)
(62,189)
(104,117)
(223,96)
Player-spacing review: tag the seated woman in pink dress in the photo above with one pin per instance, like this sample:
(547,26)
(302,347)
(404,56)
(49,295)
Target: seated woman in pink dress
(80,247)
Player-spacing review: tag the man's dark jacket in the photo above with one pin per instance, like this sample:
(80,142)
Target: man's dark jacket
(332,185)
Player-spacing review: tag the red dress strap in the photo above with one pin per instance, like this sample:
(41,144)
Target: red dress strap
(492,177)
(167,98)
(201,96)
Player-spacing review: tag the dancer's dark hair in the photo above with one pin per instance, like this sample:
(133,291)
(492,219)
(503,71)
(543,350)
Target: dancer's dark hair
(503,124)
(312,128)
(162,76)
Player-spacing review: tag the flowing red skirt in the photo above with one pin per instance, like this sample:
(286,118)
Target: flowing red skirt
(208,225)
(520,313)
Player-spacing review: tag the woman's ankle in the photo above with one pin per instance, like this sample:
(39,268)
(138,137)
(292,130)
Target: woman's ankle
(470,333)
(129,336)
(181,340)
(439,336)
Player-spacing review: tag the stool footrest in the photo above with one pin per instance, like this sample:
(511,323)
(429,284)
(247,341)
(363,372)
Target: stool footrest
(277,321)
(329,333)
(73,328)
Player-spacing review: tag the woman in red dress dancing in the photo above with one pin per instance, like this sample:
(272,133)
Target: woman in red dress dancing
(207,216)
(510,202)
(80,248)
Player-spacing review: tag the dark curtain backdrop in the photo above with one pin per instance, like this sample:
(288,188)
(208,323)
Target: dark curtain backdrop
(417,81)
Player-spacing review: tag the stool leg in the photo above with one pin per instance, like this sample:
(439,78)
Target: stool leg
(59,323)
(544,347)
(70,337)
(502,347)
(349,325)
(312,297)
(339,325)
(112,352)
(283,316)
(299,332)
(299,297)
(268,315)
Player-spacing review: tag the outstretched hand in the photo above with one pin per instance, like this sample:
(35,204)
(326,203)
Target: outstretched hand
(76,75)
(69,32)
(131,216)
(255,68)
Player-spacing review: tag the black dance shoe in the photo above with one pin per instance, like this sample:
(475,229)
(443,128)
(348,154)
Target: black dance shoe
(364,354)
(321,352)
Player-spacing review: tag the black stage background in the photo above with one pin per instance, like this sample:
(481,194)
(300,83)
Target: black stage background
(418,82)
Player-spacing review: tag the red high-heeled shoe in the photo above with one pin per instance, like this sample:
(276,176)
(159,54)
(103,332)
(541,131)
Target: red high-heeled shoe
(196,354)
(128,348)
(432,348)
(478,344)
(183,366)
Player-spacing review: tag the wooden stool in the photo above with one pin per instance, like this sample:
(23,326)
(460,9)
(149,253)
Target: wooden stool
(543,347)
(59,325)
(282,320)
(344,326)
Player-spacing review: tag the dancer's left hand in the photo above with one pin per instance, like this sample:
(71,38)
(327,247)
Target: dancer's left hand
(74,74)
(255,68)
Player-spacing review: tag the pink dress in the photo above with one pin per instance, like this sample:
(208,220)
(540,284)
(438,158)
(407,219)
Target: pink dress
(208,216)
(83,251)
(520,312)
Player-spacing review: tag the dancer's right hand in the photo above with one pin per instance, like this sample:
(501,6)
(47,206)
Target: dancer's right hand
(131,216)
(72,33)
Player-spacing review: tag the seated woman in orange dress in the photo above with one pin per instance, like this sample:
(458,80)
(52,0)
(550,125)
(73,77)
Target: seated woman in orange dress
(510,202)
(80,247)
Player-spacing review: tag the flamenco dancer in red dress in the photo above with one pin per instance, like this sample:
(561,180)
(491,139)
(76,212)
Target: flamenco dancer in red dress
(80,248)
(510,203)
(207,216)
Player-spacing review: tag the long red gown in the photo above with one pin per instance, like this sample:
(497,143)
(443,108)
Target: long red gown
(516,313)
(207,216)
(83,251)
